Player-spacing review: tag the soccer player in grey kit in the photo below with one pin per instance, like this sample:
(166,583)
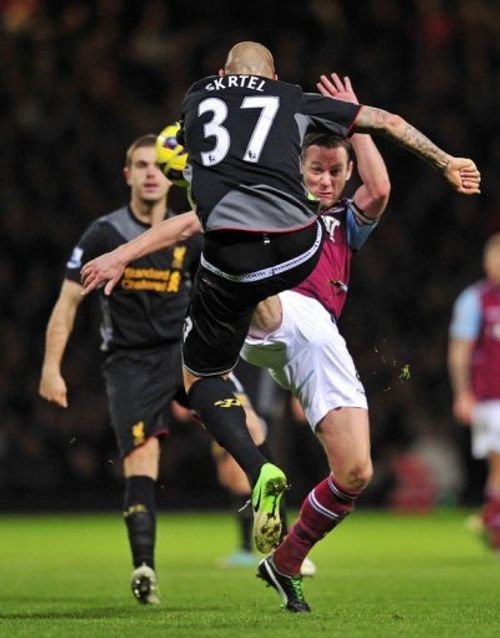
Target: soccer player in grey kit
(141,334)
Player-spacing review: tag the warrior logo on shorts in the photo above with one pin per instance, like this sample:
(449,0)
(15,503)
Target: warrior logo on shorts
(228,403)
(138,433)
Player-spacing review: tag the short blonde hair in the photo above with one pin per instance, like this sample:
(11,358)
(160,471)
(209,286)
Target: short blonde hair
(145,140)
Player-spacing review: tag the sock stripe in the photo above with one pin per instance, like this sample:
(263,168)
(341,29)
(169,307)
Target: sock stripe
(325,507)
(321,509)
(344,496)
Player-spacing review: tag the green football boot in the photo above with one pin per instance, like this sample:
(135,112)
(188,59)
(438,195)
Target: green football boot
(266,497)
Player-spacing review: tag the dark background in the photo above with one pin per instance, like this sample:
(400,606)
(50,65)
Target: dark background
(80,80)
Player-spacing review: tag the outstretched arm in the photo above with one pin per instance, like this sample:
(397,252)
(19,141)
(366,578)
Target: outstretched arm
(373,194)
(461,173)
(52,384)
(108,268)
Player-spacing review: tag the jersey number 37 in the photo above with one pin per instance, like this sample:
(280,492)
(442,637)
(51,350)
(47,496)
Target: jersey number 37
(268,106)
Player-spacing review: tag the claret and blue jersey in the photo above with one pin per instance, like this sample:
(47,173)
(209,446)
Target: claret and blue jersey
(476,318)
(346,231)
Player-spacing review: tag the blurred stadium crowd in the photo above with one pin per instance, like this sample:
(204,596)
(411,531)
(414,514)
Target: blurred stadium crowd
(83,78)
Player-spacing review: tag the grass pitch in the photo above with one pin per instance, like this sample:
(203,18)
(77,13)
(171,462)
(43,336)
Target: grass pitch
(379,575)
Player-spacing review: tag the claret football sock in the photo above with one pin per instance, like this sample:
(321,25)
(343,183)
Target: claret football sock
(140,518)
(223,416)
(266,451)
(323,509)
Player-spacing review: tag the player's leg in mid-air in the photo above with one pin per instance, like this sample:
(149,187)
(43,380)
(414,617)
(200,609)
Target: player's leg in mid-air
(140,386)
(237,272)
(232,477)
(307,354)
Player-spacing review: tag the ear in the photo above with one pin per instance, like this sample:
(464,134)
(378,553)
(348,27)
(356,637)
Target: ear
(126,174)
(222,73)
(275,76)
(350,167)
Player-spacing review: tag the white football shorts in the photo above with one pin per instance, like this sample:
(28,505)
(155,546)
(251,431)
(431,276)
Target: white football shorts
(485,429)
(308,356)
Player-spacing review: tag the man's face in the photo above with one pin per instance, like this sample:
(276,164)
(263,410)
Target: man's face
(146,181)
(492,265)
(326,171)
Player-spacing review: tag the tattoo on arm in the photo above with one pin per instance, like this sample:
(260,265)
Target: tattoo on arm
(395,128)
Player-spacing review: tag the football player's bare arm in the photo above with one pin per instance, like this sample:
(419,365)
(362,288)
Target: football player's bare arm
(267,316)
(373,194)
(52,384)
(108,268)
(461,173)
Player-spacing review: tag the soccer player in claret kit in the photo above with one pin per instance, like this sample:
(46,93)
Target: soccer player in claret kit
(295,335)
(474,366)
(243,131)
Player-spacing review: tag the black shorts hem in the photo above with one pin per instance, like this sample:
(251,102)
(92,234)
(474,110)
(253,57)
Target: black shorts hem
(159,434)
(211,373)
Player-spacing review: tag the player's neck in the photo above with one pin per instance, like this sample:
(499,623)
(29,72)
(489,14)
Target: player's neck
(148,212)
(324,208)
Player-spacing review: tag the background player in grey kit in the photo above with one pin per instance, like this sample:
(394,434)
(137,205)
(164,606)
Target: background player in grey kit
(141,336)
(141,328)
(474,366)
(261,231)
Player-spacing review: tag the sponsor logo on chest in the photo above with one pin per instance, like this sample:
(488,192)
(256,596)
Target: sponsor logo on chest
(331,223)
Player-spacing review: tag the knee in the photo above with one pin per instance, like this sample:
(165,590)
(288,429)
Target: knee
(356,477)
(143,460)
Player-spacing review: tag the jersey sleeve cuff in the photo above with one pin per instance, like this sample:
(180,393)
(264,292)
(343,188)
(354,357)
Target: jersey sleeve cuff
(361,218)
(350,128)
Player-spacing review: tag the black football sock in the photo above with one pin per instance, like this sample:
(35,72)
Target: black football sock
(266,451)
(140,518)
(221,413)
(245,520)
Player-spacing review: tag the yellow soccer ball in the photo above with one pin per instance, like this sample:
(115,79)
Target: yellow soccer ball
(171,156)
